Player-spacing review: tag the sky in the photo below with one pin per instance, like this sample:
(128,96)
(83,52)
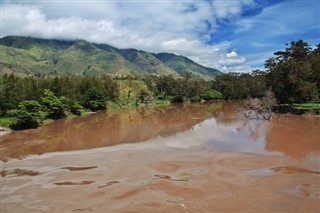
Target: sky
(229,35)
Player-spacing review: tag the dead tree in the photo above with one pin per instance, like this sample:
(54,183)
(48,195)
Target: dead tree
(261,108)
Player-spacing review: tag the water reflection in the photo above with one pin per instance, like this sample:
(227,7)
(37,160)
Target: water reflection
(293,135)
(190,158)
(219,126)
(103,129)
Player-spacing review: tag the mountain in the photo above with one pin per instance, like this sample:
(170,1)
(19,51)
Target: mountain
(183,64)
(147,62)
(38,57)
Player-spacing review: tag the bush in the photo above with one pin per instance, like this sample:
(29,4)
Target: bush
(53,106)
(95,99)
(75,108)
(195,98)
(144,95)
(29,115)
(211,94)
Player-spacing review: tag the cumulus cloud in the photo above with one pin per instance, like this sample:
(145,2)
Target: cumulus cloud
(180,27)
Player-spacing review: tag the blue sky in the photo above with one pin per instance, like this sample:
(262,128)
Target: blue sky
(230,35)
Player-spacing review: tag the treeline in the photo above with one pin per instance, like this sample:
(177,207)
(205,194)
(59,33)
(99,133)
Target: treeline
(185,88)
(31,100)
(241,85)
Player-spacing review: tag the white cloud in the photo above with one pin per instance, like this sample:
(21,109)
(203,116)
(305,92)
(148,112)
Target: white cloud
(231,59)
(180,27)
(229,9)
(241,69)
(232,54)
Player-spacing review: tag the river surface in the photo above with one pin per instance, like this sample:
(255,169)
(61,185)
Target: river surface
(180,158)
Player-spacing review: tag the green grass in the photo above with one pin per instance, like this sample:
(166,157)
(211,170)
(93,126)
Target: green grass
(158,102)
(306,106)
(7,121)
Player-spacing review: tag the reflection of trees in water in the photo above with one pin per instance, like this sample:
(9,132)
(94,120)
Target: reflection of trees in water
(228,111)
(293,135)
(104,129)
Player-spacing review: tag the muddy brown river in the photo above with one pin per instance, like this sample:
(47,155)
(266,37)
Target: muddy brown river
(180,158)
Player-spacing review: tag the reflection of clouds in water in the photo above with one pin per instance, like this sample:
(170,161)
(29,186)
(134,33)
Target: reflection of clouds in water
(238,136)
(242,136)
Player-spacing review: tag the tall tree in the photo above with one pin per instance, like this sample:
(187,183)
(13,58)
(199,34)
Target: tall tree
(291,74)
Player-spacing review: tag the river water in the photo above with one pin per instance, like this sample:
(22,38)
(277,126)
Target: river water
(180,158)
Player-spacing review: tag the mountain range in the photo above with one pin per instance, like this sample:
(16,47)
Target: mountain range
(29,56)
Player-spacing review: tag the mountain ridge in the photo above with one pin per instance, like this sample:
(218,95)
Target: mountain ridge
(40,57)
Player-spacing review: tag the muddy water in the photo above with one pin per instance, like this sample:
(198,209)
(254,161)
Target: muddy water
(191,158)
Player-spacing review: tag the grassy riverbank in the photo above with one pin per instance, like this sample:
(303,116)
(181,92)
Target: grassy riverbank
(299,108)
(313,107)
(7,121)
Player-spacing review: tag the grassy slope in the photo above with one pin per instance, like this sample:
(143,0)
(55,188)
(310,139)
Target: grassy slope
(24,61)
(147,62)
(31,56)
(85,58)
(182,64)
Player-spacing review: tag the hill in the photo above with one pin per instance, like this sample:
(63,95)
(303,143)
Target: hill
(28,56)
(183,64)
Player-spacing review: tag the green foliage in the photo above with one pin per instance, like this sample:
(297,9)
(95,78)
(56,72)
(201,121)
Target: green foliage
(14,89)
(294,74)
(95,99)
(241,86)
(158,102)
(186,87)
(196,98)
(7,121)
(132,91)
(144,96)
(211,94)
(29,114)
(311,105)
(75,108)
(52,105)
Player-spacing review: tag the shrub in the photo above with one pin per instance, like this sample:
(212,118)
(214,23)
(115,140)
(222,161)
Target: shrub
(95,99)
(211,94)
(53,106)
(29,115)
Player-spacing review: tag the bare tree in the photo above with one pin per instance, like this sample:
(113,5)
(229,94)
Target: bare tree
(261,108)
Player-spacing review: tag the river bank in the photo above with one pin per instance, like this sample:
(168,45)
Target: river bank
(299,109)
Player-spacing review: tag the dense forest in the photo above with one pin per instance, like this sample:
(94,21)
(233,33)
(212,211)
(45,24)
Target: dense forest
(293,75)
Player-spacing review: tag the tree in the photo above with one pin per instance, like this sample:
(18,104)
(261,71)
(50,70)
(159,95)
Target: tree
(261,108)
(53,106)
(95,99)
(144,95)
(211,94)
(293,73)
